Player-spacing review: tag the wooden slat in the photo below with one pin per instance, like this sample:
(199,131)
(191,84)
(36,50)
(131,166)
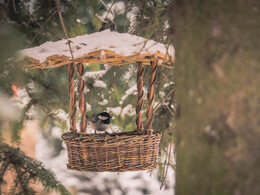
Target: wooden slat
(109,57)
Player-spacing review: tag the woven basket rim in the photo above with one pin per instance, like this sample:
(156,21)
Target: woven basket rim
(75,136)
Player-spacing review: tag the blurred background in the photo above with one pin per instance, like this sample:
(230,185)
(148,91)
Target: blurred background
(217,91)
(216,105)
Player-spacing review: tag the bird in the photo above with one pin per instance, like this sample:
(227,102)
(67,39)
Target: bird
(99,122)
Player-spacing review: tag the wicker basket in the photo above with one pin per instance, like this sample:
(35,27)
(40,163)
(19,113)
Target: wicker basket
(118,152)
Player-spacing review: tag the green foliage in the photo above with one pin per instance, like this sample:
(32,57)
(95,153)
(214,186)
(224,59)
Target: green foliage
(27,171)
(152,20)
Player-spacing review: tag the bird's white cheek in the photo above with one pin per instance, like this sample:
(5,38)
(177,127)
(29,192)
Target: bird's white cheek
(103,118)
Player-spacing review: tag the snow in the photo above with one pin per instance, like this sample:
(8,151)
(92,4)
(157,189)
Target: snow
(130,73)
(130,91)
(8,110)
(96,74)
(103,102)
(132,18)
(128,110)
(99,83)
(121,43)
(162,93)
(22,98)
(88,107)
(168,84)
(102,53)
(56,132)
(62,114)
(127,75)
(115,111)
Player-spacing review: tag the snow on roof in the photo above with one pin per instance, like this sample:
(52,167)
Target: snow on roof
(105,47)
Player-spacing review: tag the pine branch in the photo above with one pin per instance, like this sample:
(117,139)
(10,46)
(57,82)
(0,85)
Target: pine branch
(29,169)
(17,126)
(3,169)
(22,183)
(49,88)
(42,28)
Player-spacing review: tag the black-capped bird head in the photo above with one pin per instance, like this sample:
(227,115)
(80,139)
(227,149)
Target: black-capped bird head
(100,122)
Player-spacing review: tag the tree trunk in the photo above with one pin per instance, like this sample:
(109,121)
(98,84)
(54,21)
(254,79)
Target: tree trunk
(218,96)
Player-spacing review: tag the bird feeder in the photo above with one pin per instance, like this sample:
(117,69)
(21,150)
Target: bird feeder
(115,152)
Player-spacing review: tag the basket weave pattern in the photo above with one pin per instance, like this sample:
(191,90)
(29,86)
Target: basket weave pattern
(116,152)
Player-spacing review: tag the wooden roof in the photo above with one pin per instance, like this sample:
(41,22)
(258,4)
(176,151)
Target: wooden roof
(104,47)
